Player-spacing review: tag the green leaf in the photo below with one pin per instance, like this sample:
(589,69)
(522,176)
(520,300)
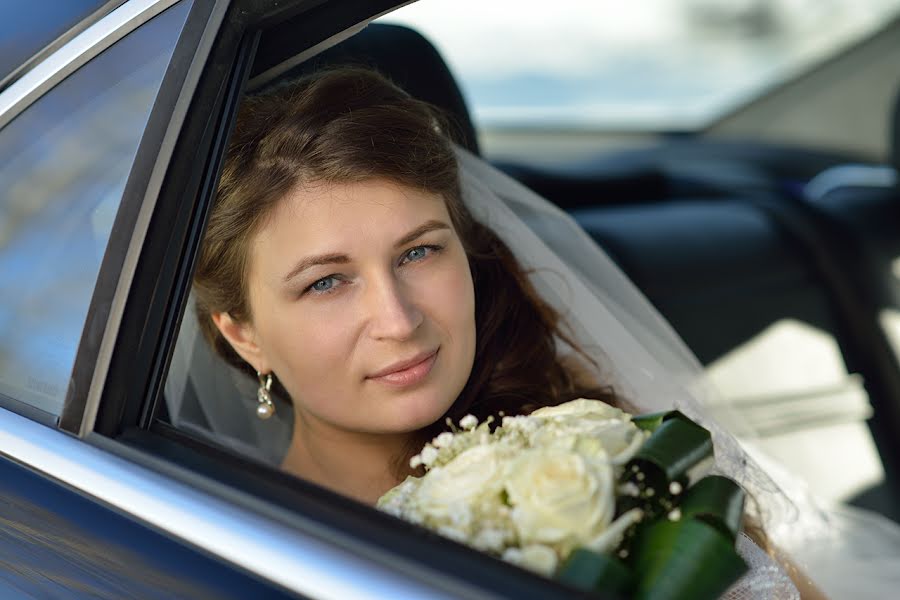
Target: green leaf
(677,445)
(588,570)
(716,500)
(650,421)
(684,560)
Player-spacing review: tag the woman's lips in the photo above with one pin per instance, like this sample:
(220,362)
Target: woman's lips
(409,375)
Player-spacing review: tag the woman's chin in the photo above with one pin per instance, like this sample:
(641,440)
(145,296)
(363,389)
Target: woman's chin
(416,413)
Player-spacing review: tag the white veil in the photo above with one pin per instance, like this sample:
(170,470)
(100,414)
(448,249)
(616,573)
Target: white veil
(844,551)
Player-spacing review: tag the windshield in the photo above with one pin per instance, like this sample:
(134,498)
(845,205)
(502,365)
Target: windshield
(655,65)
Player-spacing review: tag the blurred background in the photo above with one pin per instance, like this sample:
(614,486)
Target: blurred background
(609,67)
(589,80)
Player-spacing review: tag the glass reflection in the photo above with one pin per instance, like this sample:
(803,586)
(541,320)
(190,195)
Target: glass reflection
(63,167)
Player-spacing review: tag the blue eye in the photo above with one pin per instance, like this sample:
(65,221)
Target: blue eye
(323,285)
(418,253)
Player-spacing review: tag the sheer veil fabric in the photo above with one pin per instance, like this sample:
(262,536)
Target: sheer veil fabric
(846,552)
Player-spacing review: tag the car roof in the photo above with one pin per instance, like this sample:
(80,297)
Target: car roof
(28,30)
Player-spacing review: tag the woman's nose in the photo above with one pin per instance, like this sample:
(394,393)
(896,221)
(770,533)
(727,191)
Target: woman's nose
(394,314)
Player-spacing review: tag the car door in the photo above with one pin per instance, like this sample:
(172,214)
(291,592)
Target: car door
(79,135)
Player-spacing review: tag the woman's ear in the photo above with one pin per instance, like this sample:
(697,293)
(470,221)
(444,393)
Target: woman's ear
(242,338)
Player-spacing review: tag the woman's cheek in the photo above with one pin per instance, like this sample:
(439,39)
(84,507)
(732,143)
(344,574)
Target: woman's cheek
(436,290)
(461,290)
(315,340)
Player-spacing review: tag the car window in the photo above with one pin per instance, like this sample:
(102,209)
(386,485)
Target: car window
(591,65)
(26,29)
(64,163)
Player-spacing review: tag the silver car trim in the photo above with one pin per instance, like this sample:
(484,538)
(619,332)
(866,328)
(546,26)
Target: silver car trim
(292,559)
(75,53)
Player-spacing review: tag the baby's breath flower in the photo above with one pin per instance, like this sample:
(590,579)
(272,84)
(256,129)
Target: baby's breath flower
(629,488)
(468,422)
(443,440)
(428,455)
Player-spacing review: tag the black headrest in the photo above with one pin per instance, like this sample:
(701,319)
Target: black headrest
(405,57)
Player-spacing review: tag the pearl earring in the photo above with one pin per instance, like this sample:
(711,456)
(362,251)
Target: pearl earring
(265,408)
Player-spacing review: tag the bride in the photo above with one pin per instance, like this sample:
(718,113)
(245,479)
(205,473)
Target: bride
(358,265)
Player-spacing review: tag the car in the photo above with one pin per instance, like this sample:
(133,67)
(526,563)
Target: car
(765,231)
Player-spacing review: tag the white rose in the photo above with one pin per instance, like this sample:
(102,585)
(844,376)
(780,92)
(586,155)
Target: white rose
(580,408)
(618,439)
(550,435)
(559,497)
(450,491)
(590,427)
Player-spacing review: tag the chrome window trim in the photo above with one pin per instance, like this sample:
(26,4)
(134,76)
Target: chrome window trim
(294,560)
(78,51)
(36,58)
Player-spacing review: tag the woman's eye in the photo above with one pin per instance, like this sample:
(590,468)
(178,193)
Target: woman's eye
(323,285)
(418,253)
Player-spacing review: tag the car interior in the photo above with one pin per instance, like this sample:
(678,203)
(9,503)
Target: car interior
(725,238)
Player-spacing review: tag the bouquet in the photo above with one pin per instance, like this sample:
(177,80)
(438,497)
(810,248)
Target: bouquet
(586,493)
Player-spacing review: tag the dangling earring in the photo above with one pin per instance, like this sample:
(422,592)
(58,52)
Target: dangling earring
(265,408)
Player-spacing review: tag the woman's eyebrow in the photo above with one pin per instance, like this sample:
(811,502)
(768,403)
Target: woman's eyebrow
(335,258)
(421,230)
(313,261)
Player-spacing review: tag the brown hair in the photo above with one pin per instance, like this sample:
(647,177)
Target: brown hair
(349,125)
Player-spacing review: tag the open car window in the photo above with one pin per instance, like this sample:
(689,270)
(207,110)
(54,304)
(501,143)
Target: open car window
(776,359)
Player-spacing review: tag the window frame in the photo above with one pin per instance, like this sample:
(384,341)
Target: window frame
(159,287)
(129,229)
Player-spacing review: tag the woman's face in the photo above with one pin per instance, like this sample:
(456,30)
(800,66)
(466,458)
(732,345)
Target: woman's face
(362,305)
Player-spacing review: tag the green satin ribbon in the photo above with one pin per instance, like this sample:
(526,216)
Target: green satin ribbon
(684,547)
